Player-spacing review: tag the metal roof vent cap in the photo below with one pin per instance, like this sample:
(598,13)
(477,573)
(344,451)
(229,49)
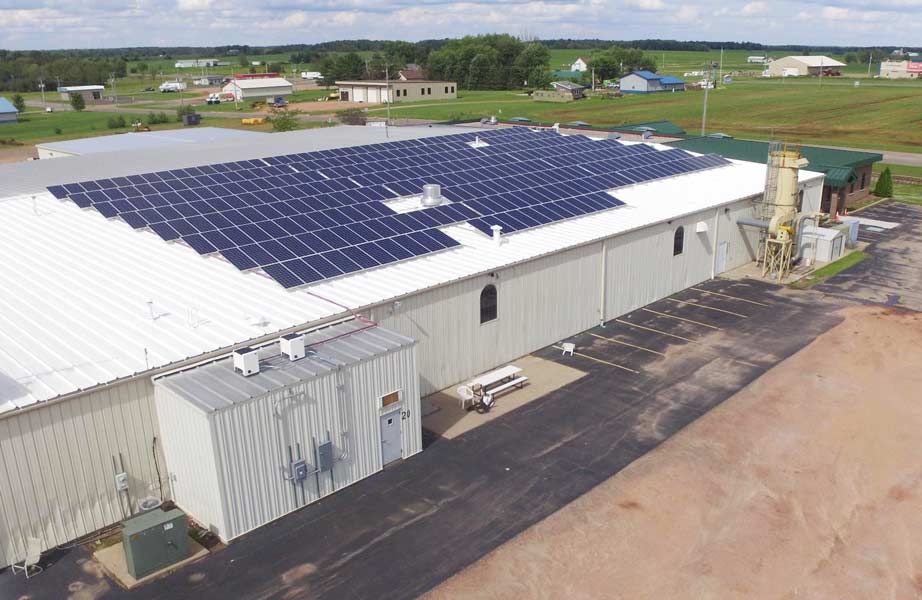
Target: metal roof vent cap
(246,361)
(292,346)
(432,195)
(497,234)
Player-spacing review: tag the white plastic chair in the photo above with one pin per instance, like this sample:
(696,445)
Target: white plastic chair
(466,394)
(30,564)
(568,348)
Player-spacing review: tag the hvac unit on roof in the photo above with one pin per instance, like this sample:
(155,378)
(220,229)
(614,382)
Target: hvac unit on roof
(246,360)
(292,345)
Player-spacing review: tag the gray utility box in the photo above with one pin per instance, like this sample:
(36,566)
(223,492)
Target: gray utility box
(155,540)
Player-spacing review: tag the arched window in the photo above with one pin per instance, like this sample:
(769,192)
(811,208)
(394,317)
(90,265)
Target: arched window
(678,241)
(488,304)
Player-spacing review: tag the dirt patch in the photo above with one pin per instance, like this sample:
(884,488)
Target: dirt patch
(17,153)
(326,106)
(804,484)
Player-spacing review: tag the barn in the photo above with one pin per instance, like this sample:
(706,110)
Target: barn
(258,88)
(250,328)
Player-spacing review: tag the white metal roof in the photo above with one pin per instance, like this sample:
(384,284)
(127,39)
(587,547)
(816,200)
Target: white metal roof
(818,61)
(215,386)
(266,82)
(85,300)
(170,138)
(80,88)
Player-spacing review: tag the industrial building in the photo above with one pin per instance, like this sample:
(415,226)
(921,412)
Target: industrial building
(8,112)
(148,140)
(900,69)
(802,66)
(243,378)
(258,89)
(848,172)
(645,82)
(411,90)
(90,93)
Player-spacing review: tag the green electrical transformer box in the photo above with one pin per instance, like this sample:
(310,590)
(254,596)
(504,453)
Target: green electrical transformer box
(155,540)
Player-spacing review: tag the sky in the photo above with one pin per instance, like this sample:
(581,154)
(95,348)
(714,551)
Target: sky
(46,24)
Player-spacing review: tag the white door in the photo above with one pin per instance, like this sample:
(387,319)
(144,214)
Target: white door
(390,437)
(720,265)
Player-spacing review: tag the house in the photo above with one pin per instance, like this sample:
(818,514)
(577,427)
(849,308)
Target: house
(376,91)
(258,89)
(8,112)
(646,82)
(848,173)
(208,80)
(580,65)
(90,93)
(575,90)
(411,74)
(900,69)
(801,66)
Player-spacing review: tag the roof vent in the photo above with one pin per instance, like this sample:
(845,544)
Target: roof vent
(497,234)
(292,345)
(432,195)
(246,360)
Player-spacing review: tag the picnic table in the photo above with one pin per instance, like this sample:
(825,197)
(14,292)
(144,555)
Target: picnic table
(481,390)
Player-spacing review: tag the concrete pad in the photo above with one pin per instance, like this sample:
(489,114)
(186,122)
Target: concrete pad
(112,560)
(445,416)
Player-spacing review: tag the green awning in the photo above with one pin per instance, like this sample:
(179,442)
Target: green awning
(838,176)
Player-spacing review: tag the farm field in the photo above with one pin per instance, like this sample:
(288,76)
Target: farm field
(881,116)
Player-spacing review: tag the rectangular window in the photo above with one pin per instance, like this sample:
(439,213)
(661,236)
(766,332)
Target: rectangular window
(446,89)
(864,179)
(388,399)
(452,89)
(422,92)
(429,91)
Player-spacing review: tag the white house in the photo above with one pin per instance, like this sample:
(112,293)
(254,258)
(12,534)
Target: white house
(581,64)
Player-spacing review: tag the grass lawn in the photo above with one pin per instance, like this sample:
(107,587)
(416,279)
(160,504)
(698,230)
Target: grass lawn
(823,273)
(910,194)
(836,113)
(906,170)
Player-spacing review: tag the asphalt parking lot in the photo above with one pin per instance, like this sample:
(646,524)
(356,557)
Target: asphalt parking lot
(892,273)
(403,531)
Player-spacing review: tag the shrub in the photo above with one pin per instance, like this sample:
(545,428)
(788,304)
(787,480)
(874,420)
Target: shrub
(188,109)
(77,102)
(283,119)
(884,187)
(58,131)
(351,116)
(116,122)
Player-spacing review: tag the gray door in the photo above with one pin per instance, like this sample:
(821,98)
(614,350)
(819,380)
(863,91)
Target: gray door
(390,437)
(721,262)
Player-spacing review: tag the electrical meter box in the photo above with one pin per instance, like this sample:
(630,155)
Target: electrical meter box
(155,540)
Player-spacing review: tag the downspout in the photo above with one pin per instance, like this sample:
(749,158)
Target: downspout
(603,277)
(714,242)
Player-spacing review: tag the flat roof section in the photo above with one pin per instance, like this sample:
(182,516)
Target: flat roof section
(148,140)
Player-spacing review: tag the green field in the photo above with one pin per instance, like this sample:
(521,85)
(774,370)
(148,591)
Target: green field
(883,116)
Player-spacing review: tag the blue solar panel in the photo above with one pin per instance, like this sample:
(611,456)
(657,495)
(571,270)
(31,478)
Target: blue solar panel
(311,216)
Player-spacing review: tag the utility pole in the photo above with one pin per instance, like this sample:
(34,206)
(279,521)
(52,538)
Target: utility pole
(704,113)
(114,88)
(387,88)
(720,68)
(41,86)
(869,62)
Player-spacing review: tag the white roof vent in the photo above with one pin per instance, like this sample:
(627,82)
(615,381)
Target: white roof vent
(246,361)
(432,195)
(292,345)
(479,143)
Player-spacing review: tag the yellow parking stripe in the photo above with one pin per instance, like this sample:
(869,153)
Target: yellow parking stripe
(599,360)
(614,341)
(678,337)
(668,316)
(693,303)
(731,297)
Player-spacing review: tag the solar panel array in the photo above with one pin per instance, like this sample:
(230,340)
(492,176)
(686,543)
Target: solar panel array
(306,217)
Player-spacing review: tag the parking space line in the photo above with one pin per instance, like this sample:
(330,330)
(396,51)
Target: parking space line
(668,316)
(732,297)
(599,360)
(678,337)
(614,341)
(729,312)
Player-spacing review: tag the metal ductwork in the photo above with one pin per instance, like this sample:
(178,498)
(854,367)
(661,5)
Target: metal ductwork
(432,195)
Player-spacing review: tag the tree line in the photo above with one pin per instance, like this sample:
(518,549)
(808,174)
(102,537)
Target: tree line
(22,73)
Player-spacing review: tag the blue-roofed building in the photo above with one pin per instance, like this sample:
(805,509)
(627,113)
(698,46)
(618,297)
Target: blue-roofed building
(8,112)
(646,82)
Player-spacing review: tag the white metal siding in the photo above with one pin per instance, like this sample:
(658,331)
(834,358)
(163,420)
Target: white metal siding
(252,439)
(540,302)
(57,478)
(190,455)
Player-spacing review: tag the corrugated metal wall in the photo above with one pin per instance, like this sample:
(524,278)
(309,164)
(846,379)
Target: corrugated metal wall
(57,479)
(190,456)
(252,441)
(540,302)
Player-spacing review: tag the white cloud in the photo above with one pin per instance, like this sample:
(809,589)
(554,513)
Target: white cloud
(647,4)
(687,13)
(755,8)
